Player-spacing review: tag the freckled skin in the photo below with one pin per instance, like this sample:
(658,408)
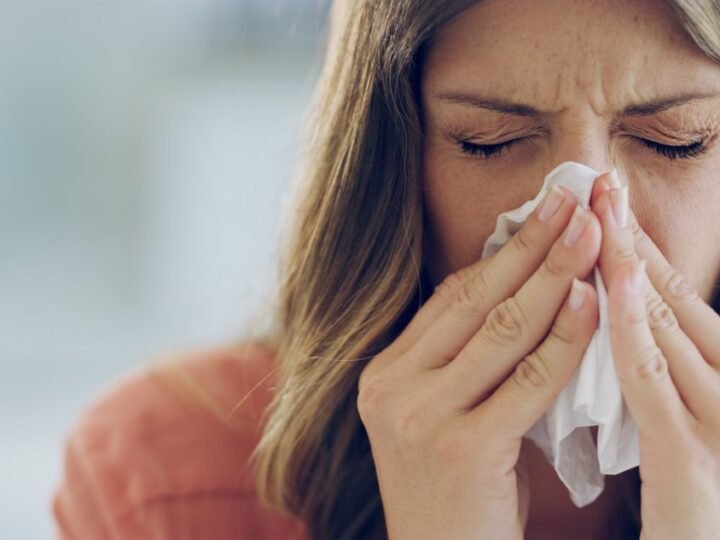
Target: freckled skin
(583,61)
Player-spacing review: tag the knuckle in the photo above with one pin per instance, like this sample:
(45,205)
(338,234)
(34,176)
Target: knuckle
(650,364)
(451,284)
(677,286)
(371,401)
(637,317)
(659,314)
(409,421)
(638,232)
(472,296)
(552,267)
(533,372)
(561,332)
(523,240)
(371,370)
(505,323)
(624,252)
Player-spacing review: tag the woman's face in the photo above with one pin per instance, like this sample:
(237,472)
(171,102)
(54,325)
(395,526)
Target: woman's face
(574,78)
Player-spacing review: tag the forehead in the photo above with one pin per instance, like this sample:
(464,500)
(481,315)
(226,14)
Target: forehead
(547,51)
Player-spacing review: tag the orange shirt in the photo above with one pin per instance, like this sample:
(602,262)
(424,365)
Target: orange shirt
(145,460)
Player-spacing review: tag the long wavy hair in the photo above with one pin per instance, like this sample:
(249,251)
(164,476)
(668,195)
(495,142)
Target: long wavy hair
(351,270)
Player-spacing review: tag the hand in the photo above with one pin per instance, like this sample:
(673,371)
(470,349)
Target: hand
(446,404)
(666,346)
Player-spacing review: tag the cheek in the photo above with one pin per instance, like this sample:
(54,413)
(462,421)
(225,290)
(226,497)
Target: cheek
(462,201)
(684,226)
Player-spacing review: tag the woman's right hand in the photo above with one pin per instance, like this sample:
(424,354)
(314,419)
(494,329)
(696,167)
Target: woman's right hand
(446,404)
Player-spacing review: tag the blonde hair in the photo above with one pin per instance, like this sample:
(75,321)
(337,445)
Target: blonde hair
(352,275)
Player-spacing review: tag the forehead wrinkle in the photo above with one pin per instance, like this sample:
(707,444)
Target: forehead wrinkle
(605,68)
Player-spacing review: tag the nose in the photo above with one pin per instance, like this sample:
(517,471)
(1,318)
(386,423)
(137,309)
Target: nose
(587,144)
(590,145)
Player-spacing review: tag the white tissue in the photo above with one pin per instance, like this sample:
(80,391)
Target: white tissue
(593,396)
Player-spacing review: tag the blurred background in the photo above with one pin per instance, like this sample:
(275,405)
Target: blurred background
(146,153)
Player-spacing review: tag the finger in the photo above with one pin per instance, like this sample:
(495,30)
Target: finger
(538,379)
(602,184)
(516,325)
(618,245)
(696,381)
(522,254)
(470,298)
(694,378)
(697,318)
(519,257)
(649,391)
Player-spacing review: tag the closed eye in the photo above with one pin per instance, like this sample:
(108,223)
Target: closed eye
(489,151)
(486,151)
(674,152)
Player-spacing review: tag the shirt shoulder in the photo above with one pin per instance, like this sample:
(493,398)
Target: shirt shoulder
(165,452)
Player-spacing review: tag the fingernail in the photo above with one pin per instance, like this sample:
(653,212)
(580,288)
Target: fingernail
(551,203)
(619,202)
(635,279)
(577,295)
(613,179)
(577,226)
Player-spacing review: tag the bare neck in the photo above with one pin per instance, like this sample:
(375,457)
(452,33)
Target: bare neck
(553,515)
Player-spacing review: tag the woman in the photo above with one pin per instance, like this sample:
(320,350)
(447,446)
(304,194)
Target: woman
(403,372)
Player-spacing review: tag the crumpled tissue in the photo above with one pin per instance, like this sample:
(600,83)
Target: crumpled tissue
(593,396)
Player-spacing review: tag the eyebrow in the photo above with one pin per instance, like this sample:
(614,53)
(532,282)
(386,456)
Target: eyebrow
(521,109)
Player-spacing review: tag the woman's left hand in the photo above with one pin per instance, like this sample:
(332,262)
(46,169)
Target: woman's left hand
(666,346)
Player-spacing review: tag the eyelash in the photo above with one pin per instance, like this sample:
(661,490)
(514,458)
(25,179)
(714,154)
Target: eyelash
(489,151)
